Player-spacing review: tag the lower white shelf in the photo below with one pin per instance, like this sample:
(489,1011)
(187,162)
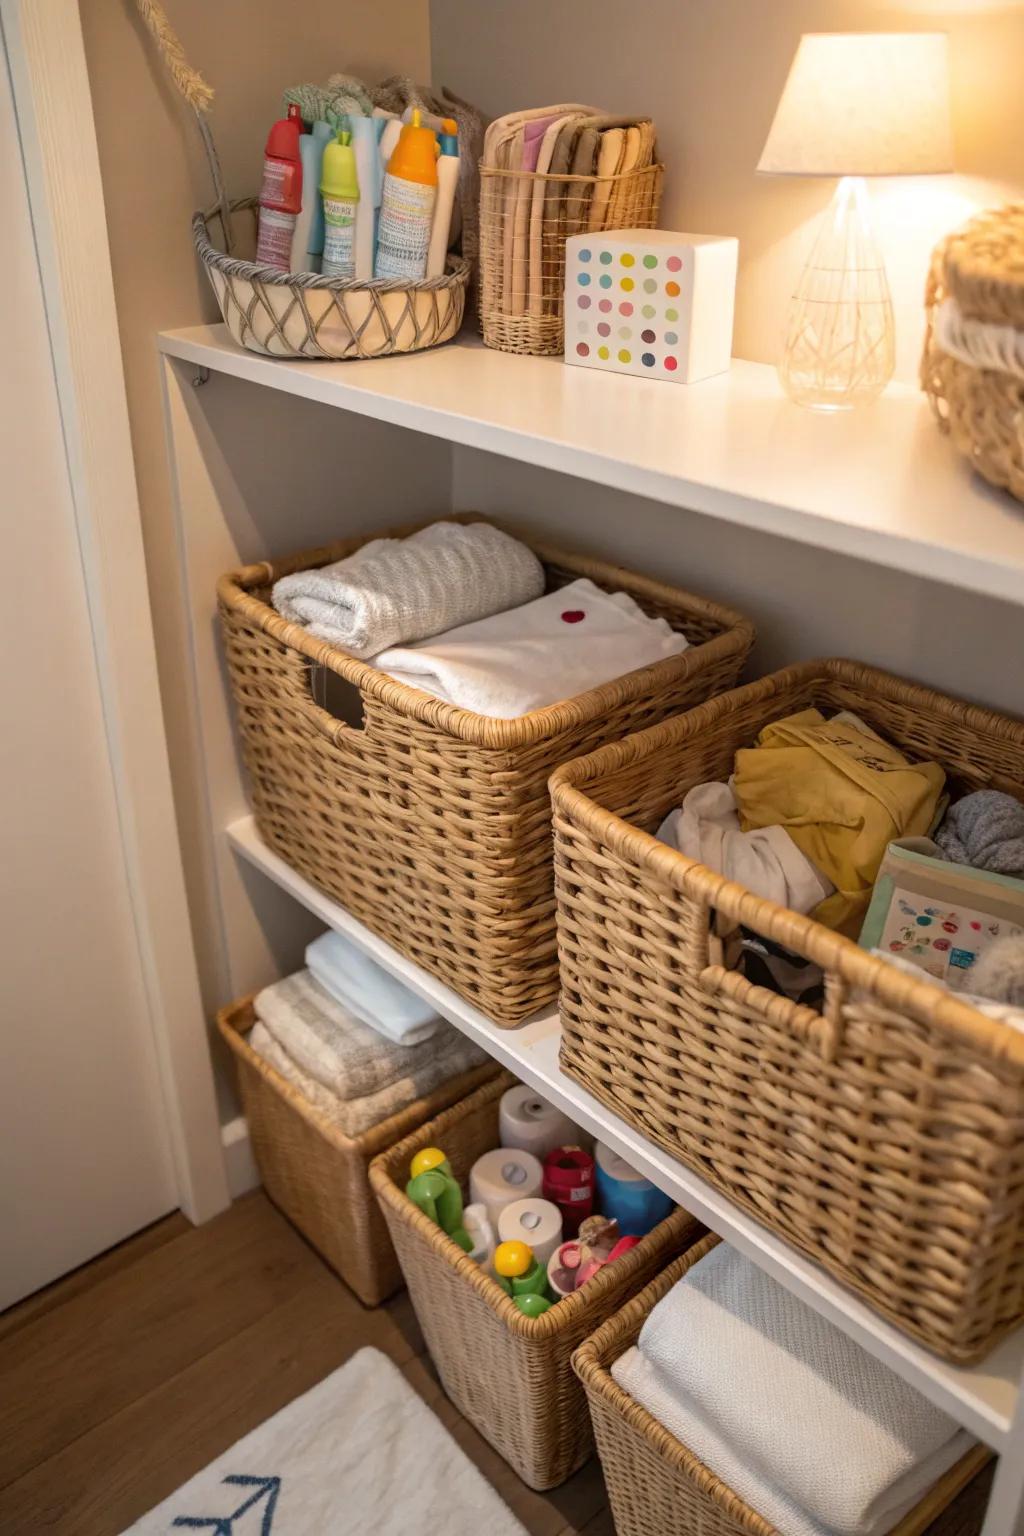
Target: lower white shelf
(982,1397)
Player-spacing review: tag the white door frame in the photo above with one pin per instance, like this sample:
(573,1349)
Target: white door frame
(46,57)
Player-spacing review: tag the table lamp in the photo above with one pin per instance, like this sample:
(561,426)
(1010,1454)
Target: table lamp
(854,105)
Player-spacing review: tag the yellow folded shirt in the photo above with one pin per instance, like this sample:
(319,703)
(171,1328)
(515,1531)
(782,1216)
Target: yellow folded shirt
(843,794)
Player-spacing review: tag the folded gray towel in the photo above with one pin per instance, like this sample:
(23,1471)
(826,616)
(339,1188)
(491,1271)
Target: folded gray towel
(986,831)
(393,591)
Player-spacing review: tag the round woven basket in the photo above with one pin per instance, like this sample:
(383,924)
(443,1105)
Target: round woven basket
(973,363)
(301,314)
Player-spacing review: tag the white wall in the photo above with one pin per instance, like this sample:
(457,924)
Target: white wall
(710,72)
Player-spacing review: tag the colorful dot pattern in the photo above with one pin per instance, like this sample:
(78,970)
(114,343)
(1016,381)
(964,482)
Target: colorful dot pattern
(647,275)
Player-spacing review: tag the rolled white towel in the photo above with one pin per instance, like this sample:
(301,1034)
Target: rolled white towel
(554,648)
(347,974)
(396,590)
(808,1410)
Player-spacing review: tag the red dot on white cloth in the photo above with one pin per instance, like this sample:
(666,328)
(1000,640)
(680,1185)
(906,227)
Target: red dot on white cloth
(573,616)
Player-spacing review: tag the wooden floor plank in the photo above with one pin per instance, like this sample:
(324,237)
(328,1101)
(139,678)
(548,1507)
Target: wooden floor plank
(77,1365)
(108,1477)
(89,1275)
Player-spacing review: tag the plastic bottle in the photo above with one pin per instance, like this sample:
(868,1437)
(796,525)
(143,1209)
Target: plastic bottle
(340,188)
(444,203)
(308,238)
(280,192)
(407,206)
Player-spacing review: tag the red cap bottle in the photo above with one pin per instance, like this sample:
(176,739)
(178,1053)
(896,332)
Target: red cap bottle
(281,191)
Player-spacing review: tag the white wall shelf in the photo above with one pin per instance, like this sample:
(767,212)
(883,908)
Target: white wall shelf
(880,484)
(983,1398)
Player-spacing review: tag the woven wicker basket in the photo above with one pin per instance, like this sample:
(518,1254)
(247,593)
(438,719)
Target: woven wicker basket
(298,314)
(432,824)
(508,1374)
(525,220)
(656,1487)
(973,362)
(316,1175)
(884,1137)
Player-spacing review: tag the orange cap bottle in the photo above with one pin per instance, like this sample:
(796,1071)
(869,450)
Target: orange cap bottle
(414,157)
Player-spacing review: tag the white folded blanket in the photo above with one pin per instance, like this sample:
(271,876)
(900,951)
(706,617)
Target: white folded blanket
(353,1117)
(693,1429)
(554,648)
(344,1055)
(365,989)
(395,590)
(766,860)
(809,1414)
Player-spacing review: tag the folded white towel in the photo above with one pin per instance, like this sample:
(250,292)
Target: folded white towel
(346,973)
(395,590)
(353,1117)
(554,648)
(344,1055)
(693,1429)
(766,860)
(809,1411)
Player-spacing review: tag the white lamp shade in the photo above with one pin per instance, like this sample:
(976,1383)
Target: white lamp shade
(863,104)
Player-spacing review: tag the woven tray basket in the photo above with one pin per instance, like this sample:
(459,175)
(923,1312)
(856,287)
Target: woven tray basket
(316,1176)
(884,1137)
(656,1487)
(525,220)
(508,1374)
(973,362)
(432,824)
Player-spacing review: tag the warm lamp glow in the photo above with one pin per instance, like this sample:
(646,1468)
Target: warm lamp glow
(863,104)
(855,104)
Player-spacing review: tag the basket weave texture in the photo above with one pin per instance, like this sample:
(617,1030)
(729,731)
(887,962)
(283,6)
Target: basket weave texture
(508,1374)
(317,1176)
(301,314)
(432,824)
(525,220)
(883,1137)
(981,269)
(656,1486)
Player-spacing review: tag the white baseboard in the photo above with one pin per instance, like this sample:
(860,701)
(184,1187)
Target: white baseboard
(239,1162)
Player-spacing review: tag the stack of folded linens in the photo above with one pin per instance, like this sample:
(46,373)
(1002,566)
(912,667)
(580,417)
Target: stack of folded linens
(349,1071)
(812,1432)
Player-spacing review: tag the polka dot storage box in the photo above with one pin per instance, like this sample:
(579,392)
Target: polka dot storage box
(428,822)
(650,302)
(882,1135)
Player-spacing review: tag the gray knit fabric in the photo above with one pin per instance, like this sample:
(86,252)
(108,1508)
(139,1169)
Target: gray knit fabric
(985,830)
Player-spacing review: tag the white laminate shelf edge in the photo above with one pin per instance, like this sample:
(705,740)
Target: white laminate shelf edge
(982,1398)
(880,484)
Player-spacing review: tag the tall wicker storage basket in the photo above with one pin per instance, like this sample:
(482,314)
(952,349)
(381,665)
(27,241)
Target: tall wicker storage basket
(431,824)
(656,1487)
(317,1176)
(508,1374)
(885,1136)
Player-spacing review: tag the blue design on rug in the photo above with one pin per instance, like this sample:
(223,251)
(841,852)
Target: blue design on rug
(224,1525)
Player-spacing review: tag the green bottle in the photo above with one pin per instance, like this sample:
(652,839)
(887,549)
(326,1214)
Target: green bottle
(339,187)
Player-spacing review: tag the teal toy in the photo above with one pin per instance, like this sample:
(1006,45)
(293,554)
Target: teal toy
(435,1190)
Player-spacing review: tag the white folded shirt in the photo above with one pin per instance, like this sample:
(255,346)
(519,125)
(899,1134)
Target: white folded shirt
(553,648)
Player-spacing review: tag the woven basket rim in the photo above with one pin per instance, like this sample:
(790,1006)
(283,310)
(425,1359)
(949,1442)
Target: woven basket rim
(655,168)
(564,1313)
(592,1362)
(924,1000)
(457,275)
(736,634)
(236,1020)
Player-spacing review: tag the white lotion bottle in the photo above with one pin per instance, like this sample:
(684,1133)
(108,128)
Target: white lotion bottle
(444,203)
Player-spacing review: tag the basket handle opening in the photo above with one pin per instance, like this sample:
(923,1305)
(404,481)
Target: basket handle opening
(335,705)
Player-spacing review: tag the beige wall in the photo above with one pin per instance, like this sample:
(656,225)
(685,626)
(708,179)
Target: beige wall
(154,176)
(710,72)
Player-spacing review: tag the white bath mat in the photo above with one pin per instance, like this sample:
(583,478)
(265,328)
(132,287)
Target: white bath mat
(360,1453)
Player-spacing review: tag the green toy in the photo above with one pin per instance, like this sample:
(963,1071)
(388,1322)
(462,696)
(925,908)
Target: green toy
(435,1190)
(522,1277)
